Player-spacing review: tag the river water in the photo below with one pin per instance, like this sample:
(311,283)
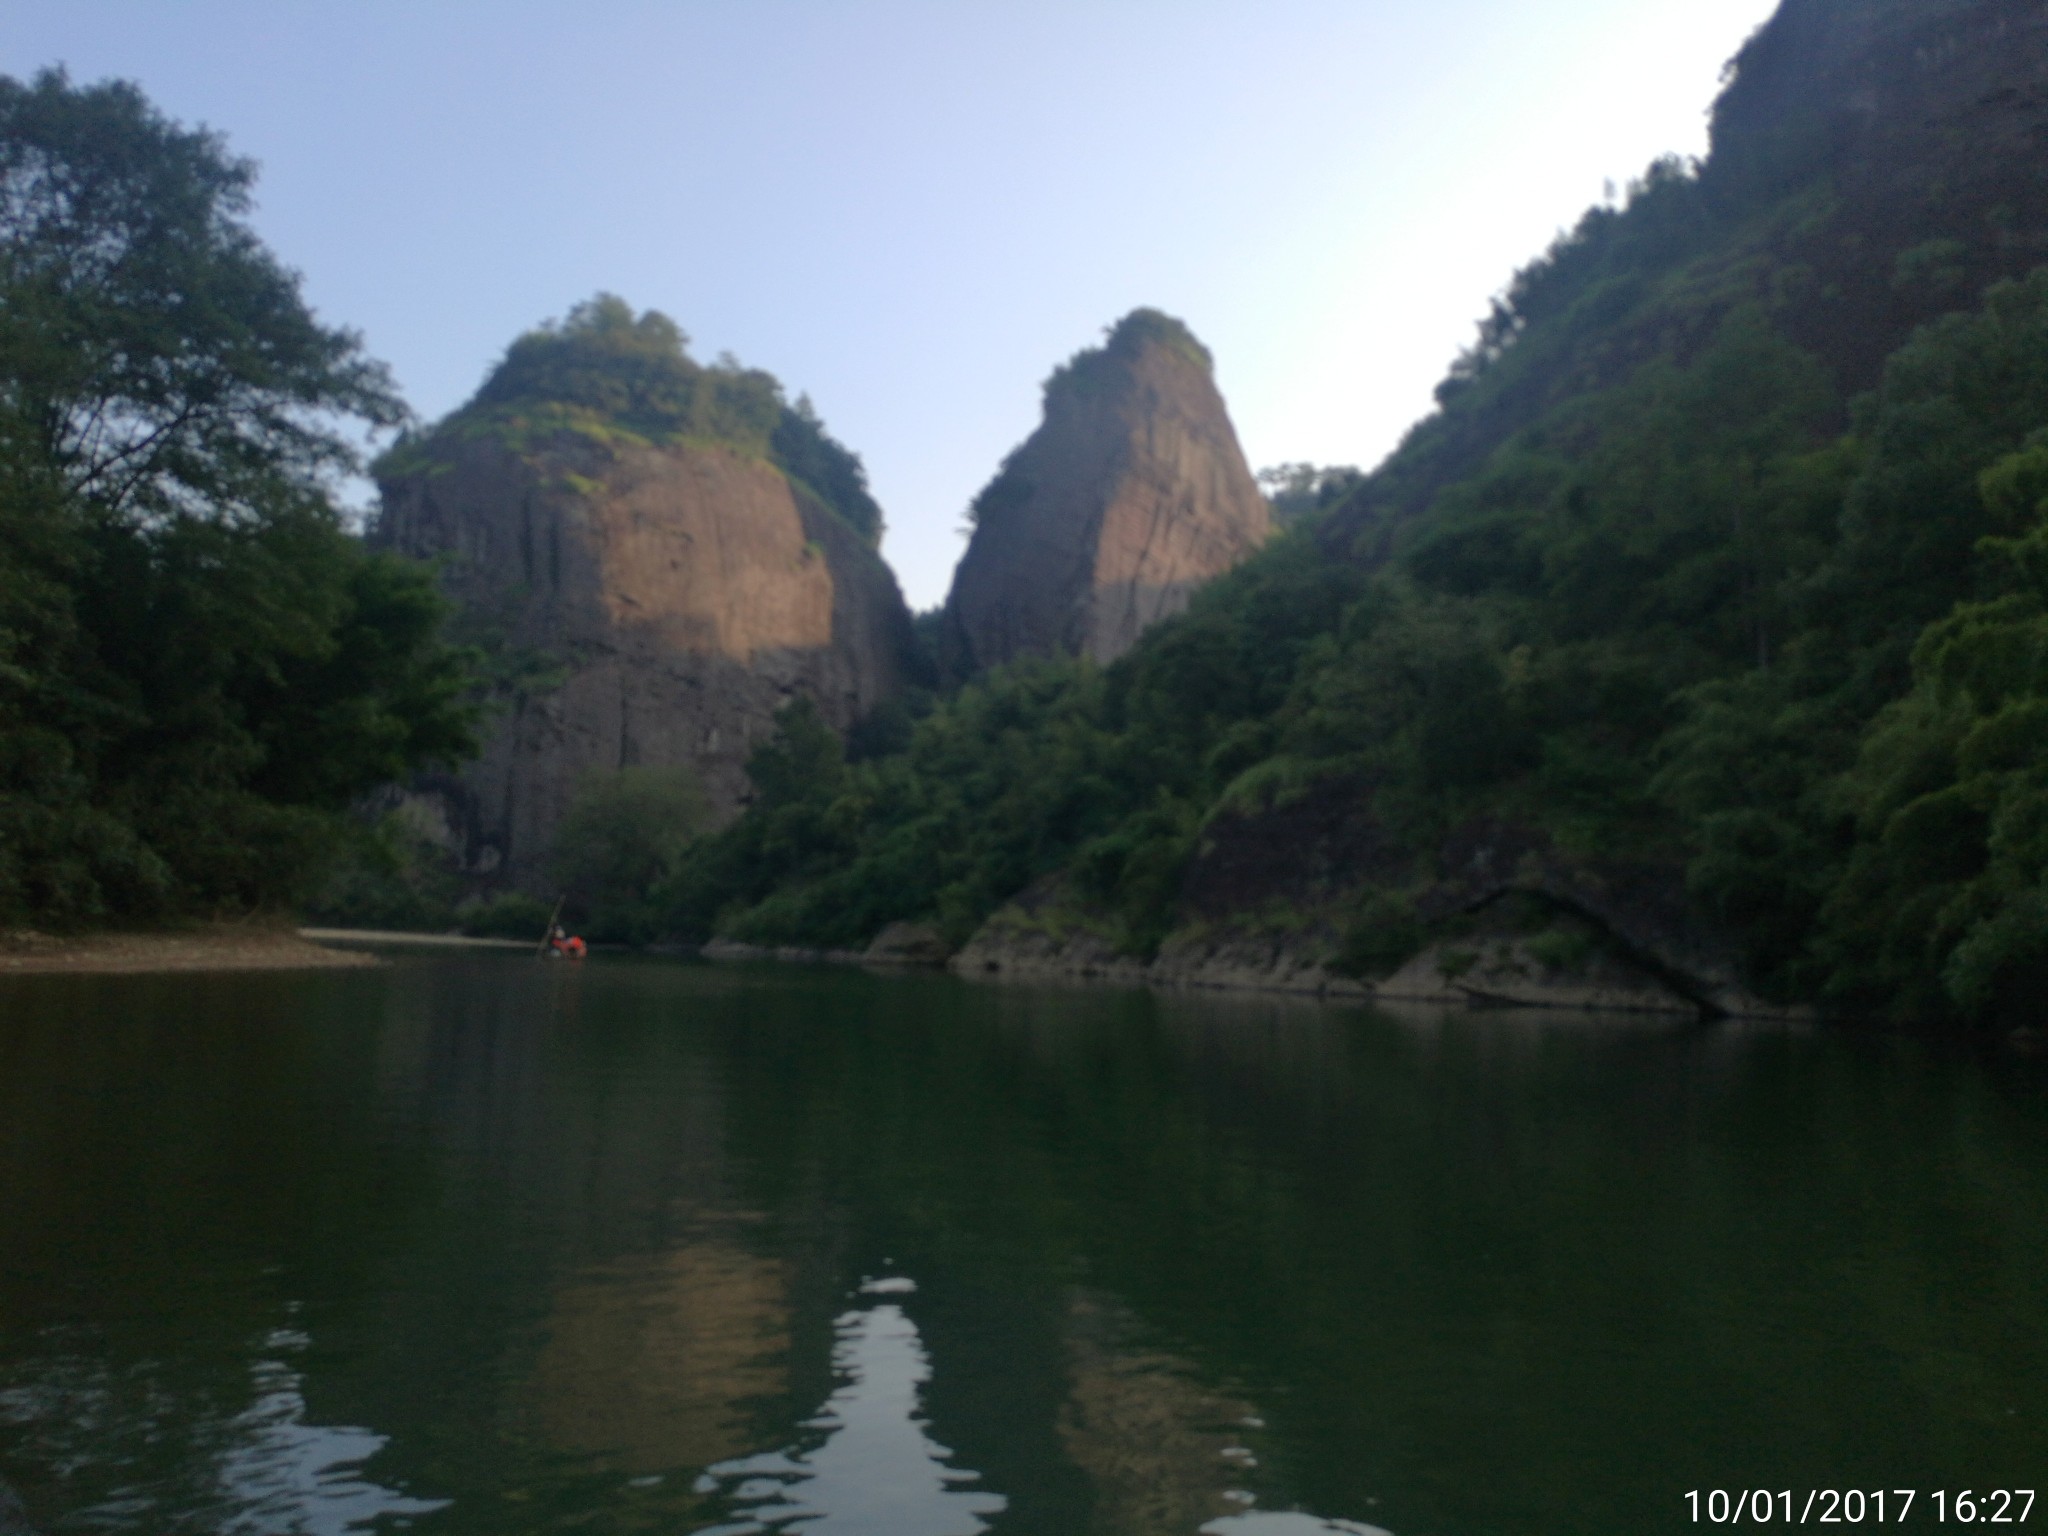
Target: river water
(468,1246)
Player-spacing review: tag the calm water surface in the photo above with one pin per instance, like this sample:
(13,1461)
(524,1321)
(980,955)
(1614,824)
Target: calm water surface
(489,1246)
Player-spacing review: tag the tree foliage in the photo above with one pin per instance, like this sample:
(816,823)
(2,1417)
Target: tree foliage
(604,372)
(1295,491)
(1680,618)
(199,666)
(625,834)
(633,372)
(156,359)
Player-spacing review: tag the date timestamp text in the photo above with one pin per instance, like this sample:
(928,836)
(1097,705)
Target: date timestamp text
(1859,1506)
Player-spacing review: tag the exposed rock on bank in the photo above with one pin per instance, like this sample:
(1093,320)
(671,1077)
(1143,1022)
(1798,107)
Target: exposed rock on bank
(898,946)
(1131,494)
(1300,896)
(786,954)
(1017,945)
(1497,971)
(1313,895)
(908,944)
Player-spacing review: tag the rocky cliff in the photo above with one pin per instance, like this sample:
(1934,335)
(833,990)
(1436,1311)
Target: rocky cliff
(642,602)
(1132,493)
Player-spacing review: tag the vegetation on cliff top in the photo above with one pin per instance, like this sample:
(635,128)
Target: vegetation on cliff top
(606,375)
(1086,373)
(1123,343)
(1661,587)
(1295,491)
(199,666)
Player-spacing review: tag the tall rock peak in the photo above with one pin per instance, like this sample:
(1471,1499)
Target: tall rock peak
(655,557)
(1132,493)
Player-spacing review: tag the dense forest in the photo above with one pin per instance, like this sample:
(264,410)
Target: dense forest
(1717,582)
(1695,583)
(201,667)
(204,669)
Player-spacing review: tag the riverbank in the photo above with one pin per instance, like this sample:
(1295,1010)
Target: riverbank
(385,938)
(212,947)
(1492,970)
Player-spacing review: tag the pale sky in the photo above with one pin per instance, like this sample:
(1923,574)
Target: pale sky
(911,210)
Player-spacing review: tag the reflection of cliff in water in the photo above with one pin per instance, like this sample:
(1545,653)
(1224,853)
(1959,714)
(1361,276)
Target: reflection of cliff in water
(1164,1451)
(561,1241)
(597,1300)
(651,1364)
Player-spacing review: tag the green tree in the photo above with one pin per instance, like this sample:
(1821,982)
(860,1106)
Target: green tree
(1296,491)
(625,833)
(199,666)
(1943,908)
(155,359)
(603,371)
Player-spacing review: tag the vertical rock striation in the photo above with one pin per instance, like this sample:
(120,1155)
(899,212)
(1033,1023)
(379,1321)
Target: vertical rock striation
(1132,493)
(641,601)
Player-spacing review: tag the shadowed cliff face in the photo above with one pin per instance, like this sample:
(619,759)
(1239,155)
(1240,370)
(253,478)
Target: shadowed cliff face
(1928,120)
(1132,493)
(647,606)
(1875,164)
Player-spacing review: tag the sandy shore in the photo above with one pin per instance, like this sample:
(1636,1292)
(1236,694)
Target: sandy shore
(396,938)
(218,947)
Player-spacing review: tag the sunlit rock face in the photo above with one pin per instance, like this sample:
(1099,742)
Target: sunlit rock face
(1132,493)
(641,605)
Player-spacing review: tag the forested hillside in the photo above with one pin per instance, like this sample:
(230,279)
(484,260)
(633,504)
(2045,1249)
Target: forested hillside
(1704,621)
(200,667)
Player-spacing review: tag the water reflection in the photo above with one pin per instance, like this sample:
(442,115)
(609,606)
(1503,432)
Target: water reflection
(876,1472)
(169,1459)
(1278,1523)
(1186,1264)
(1163,1451)
(651,1364)
(285,1477)
(1166,1452)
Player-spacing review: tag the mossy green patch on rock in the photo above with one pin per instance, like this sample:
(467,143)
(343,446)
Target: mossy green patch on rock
(607,378)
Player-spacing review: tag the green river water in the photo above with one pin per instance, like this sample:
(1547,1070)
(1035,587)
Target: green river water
(468,1246)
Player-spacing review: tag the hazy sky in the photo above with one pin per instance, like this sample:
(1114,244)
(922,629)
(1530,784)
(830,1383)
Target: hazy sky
(912,210)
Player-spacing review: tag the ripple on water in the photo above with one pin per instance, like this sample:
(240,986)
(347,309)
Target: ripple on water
(876,1472)
(285,1475)
(148,1444)
(1273,1522)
